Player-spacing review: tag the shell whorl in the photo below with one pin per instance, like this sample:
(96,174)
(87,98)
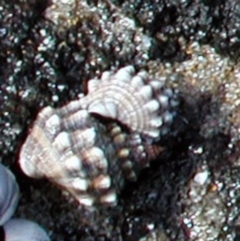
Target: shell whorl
(135,100)
(9,194)
(91,158)
(63,147)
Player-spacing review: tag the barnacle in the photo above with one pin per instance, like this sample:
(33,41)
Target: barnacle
(89,156)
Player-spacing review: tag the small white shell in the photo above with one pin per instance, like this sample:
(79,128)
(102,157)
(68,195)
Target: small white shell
(24,230)
(9,194)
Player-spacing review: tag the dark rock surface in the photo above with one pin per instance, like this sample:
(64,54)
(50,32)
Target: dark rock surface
(48,50)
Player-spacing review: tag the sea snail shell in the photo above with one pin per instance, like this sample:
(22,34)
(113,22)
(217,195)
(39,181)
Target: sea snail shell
(18,229)
(91,158)
(9,194)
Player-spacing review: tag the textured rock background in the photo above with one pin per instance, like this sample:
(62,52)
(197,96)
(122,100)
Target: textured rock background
(48,50)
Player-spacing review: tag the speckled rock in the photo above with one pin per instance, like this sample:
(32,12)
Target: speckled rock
(191,46)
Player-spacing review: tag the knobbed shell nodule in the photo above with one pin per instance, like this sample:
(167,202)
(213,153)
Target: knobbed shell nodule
(92,145)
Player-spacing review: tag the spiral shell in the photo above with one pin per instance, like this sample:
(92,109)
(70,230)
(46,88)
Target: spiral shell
(90,156)
(18,229)
(9,194)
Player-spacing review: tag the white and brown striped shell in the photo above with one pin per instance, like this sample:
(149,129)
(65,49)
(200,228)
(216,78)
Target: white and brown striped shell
(91,156)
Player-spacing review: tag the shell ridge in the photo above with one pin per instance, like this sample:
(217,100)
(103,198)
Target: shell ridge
(135,104)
